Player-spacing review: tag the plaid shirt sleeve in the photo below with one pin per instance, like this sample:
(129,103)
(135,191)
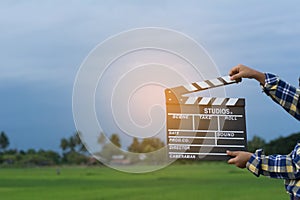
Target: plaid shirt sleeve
(276,166)
(283,93)
(285,167)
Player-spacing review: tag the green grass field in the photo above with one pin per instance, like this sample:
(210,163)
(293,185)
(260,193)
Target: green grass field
(207,180)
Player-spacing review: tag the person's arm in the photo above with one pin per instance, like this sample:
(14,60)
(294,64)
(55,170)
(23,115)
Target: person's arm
(274,166)
(283,93)
(280,91)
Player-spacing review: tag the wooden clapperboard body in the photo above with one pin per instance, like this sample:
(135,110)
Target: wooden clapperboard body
(203,128)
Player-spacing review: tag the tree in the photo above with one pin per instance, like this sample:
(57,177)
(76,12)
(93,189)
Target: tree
(31,151)
(110,149)
(73,149)
(52,157)
(148,151)
(114,138)
(151,144)
(64,144)
(74,157)
(4,141)
(147,145)
(256,143)
(73,143)
(80,145)
(135,146)
(101,139)
(282,145)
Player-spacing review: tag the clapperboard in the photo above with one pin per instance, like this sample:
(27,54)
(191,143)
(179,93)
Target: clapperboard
(203,128)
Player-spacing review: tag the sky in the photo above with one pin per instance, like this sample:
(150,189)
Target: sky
(43,43)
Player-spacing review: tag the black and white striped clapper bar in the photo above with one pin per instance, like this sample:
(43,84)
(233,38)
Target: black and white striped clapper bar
(203,128)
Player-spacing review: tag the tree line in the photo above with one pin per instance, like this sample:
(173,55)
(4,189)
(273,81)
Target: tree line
(280,145)
(75,153)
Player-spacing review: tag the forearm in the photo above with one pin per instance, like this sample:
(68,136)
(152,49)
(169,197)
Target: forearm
(260,77)
(275,166)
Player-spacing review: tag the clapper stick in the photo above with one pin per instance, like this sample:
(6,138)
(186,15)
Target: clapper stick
(203,85)
(203,128)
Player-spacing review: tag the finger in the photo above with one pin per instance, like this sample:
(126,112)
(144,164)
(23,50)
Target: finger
(228,152)
(232,153)
(236,77)
(231,161)
(234,71)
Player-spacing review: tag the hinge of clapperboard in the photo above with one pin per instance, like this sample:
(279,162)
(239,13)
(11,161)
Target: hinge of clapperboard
(176,94)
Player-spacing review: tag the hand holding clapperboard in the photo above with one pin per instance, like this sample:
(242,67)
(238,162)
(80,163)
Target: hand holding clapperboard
(204,127)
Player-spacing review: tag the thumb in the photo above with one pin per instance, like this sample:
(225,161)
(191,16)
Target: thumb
(236,77)
(231,161)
